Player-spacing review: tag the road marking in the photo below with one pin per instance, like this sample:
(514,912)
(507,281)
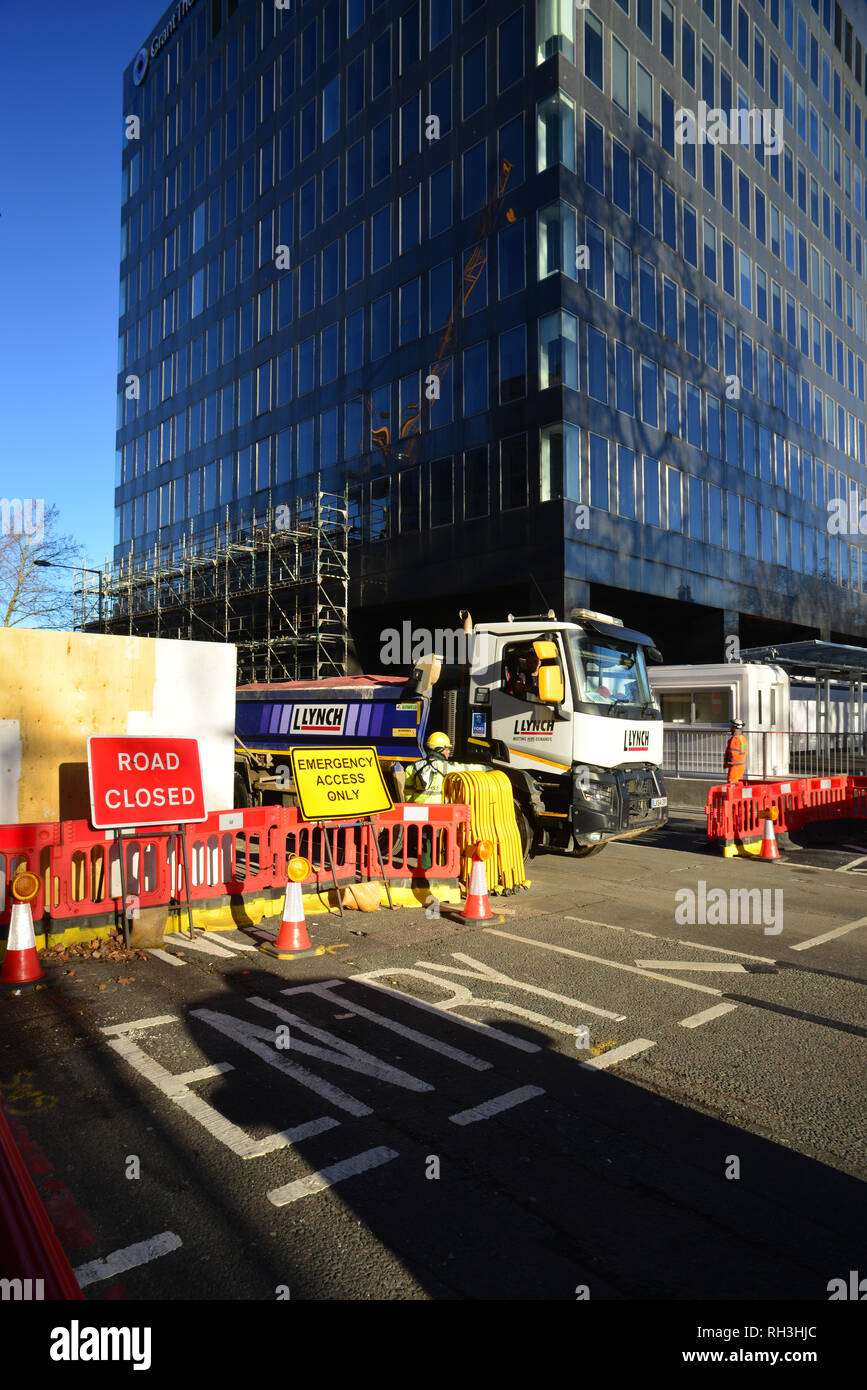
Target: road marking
(600,960)
(829,935)
(175,1090)
(324,991)
(166,956)
(235,944)
(842,868)
(496,1106)
(619,1054)
(728,965)
(208,948)
(188,1078)
(696,1020)
(460,996)
(317,1182)
(115,1029)
(636,932)
(724,951)
(488,973)
(129,1258)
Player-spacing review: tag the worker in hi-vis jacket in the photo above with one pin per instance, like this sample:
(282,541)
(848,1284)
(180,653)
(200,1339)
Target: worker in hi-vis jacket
(736,753)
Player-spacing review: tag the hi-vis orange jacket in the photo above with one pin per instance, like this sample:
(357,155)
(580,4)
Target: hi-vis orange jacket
(736,757)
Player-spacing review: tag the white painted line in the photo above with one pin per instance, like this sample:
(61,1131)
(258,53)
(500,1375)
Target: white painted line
(317,1182)
(488,973)
(167,957)
(129,1258)
(728,965)
(636,932)
(724,951)
(205,1073)
(588,922)
(324,990)
(859,849)
(842,868)
(829,935)
(497,1105)
(600,960)
(117,1028)
(696,1020)
(208,948)
(219,939)
(234,1138)
(618,1054)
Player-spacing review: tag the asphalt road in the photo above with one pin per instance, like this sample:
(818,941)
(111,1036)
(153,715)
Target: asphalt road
(595,1097)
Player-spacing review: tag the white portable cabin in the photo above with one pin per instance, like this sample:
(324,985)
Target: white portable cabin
(698,704)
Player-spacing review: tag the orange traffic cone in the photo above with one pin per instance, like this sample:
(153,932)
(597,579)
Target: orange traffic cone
(769,841)
(21,968)
(477,907)
(293,938)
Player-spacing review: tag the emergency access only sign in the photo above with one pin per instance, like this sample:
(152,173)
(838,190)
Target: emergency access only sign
(144,780)
(338,783)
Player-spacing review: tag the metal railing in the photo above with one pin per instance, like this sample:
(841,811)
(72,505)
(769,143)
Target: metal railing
(692,752)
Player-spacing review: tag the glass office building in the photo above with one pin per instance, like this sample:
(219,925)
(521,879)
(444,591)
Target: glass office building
(503,271)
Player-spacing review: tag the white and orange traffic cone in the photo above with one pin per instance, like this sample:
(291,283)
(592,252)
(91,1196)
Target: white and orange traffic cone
(293,938)
(769,840)
(21,968)
(477,907)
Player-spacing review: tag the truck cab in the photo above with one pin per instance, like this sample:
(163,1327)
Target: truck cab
(565,709)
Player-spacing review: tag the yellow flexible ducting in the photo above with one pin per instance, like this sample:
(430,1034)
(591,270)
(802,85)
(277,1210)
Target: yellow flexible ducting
(490,798)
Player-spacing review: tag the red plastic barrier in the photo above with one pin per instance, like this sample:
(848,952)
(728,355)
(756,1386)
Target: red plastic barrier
(735,811)
(29,1248)
(238,853)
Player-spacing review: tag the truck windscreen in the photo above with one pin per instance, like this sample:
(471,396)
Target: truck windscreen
(609,672)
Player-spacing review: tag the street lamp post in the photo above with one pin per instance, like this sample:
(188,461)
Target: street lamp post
(76,569)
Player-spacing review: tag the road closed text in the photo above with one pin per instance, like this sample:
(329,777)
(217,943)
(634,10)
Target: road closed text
(144,781)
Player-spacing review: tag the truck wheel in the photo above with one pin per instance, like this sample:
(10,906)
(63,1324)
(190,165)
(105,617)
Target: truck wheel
(585,851)
(525,829)
(242,795)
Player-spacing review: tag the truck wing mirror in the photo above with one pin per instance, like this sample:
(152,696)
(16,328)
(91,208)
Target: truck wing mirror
(551,688)
(653,654)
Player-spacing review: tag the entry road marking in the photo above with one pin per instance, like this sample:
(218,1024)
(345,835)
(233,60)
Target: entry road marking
(208,948)
(600,960)
(850,865)
(129,1258)
(729,965)
(496,1106)
(618,1054)
(167,956)
(724,951)
(696,1020)
(829,935)
(157,1022)
(235,944)
(317,1182)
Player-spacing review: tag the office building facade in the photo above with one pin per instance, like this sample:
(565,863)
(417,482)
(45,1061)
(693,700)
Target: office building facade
(569,299)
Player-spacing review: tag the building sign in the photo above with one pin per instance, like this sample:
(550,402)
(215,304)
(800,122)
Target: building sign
(159,41)
(146,780)
(336,783)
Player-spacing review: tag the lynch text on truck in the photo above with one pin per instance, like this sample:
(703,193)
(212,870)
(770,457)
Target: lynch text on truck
(144,780)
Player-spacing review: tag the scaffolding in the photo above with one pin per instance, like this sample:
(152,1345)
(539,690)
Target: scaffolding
(277,590)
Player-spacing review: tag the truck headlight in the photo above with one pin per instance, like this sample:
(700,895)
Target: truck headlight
(597,792)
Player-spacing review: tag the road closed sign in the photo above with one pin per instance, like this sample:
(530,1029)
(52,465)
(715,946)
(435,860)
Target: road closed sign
(339,783)
(147,780)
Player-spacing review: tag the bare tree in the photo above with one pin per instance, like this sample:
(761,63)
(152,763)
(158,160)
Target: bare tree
(32,596)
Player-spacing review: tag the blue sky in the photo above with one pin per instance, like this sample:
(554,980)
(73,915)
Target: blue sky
(60,114)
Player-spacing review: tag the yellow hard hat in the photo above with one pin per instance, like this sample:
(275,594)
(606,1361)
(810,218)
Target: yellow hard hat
(438,740)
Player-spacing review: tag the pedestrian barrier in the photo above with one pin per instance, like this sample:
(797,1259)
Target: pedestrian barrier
(240,855)
(736,811)
(31,1256)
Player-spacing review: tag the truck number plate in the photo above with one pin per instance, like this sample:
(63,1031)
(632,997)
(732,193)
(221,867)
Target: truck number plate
(658,801)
